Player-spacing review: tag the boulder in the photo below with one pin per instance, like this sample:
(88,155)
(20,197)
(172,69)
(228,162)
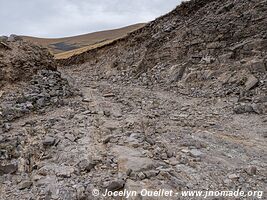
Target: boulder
(116,185)
(49,141)
(8,169)
(257,66)
(25,185)
(177,72)
(86,165)
(241,109)
(196,153)
(132,159)
(251,82)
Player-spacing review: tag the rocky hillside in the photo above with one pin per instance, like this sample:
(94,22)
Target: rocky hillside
(203,47)
(21,60)
(179,105)
(64,47)
(29,79)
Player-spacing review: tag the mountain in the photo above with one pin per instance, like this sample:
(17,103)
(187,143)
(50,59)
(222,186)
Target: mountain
(63,47)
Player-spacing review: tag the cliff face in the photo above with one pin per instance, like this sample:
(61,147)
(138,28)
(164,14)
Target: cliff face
(207,44)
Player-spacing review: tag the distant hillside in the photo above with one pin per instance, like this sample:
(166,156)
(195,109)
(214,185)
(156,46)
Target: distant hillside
(81,43)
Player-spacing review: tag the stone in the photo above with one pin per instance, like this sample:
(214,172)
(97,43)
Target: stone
(49,141)
(8,169)
(252,170)
(109,95)
(4,45)
(169,153)
(25,185)
(214,45)
(195,153)
(116,112)
(227,181)
(257,66)
(36,177)
(107,139)
(86,165)
(233,176)
(64,171)
(107,113)
(150,141)
(151,173)
(184,108)
(29,105)
(40,102)
(207,59)
(1,93)
(251,82)
(70,137)
(141,175)
(243,108)
(185,150)
(115,185)
(177,72)
(132,159)
(111,125)
(87,100)
(133,140)
(6,127)
(80,192)
(192,76)
(173,161)
(164,156)
(259,108)
(128,172)
(1,139)
(225,77)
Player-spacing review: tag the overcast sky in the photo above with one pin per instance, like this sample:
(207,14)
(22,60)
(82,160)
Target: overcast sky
(58,18)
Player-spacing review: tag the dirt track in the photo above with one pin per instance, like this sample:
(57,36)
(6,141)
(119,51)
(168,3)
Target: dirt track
(183,109)
(146,138)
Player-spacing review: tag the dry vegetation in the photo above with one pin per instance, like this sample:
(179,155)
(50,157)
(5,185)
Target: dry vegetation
(70,53)
(68,46)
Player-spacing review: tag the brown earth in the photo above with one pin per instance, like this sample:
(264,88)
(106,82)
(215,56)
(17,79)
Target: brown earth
(63,47)
(20,60)
(179,104)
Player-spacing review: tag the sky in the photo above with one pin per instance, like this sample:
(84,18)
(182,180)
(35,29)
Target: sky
(61,18)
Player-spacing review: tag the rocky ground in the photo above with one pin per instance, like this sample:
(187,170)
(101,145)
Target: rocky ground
(191,124)
(117,136)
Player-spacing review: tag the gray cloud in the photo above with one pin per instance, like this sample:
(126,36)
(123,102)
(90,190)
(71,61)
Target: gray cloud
(57,18)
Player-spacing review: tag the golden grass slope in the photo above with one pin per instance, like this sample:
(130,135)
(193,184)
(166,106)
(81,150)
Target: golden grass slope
(68,46)
(70,53)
